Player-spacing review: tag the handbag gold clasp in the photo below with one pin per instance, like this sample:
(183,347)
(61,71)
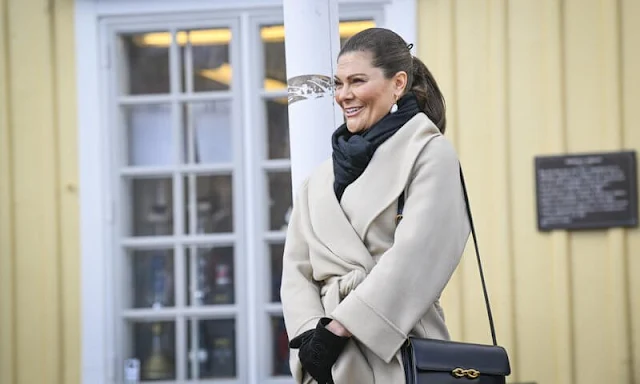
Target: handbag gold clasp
(468,373)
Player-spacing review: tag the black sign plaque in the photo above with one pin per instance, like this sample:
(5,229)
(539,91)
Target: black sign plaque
(587,191)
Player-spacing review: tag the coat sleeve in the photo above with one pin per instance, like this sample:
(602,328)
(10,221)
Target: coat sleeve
(412,273)
(299,292)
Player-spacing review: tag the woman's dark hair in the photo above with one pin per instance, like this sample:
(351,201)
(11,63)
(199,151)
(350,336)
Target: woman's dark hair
(391,54)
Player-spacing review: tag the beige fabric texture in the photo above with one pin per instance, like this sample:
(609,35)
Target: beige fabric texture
(347,260)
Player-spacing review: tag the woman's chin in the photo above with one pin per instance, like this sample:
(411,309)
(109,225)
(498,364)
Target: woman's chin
(354,127)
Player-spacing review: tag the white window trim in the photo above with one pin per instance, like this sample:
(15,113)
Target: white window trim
(98,363)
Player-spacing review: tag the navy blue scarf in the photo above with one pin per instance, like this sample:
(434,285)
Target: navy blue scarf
(353,152)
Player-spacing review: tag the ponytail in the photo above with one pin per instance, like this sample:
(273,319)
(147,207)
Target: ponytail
(426,90)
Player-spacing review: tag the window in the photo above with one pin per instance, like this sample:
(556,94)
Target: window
(180,201)
(201,180)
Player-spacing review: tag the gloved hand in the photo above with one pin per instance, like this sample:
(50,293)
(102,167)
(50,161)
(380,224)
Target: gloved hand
(303,338)
(319,350)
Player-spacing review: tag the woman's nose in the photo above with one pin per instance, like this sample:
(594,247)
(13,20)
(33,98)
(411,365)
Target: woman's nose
(342,93)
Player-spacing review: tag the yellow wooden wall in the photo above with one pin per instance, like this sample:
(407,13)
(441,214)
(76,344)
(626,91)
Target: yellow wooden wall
(39,245)
(533,77)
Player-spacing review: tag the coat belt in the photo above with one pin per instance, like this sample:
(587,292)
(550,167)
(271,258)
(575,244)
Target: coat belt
(337,288)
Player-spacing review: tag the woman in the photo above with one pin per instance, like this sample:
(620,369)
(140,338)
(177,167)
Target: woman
(356,281)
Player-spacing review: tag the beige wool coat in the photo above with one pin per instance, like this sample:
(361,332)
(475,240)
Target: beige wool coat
(347,260)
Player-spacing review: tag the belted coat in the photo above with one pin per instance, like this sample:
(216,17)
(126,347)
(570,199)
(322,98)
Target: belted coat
(349,261)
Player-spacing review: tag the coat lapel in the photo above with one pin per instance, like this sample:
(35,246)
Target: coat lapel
(387,174)
(330,225)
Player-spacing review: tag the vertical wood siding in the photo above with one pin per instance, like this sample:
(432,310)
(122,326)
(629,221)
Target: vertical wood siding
(39,249)
(534,77)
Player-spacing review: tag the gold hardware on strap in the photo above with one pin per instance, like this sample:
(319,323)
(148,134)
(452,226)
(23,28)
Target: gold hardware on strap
(398,219)
(468,373)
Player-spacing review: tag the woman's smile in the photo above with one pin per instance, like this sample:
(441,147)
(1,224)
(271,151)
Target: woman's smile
(352,111)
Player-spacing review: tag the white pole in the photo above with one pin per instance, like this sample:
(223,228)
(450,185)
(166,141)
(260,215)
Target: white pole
(311,47)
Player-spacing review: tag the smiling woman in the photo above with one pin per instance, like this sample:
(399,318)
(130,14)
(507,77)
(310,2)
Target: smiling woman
(348,319)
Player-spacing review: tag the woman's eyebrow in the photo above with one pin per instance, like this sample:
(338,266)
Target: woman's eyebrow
(351,76)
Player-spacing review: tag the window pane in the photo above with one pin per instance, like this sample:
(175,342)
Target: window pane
(279,200)
(209,133)
(211,275)
(280,364)
(154,345)
(278,128)
(213,197)
(151,212)
(152,278)
(149,133)
(215,353)
(144,63)
(350,28)
(275,76)
(206,52)
(276,251)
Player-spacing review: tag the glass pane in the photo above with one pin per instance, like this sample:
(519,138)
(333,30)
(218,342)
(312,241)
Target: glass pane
(275,72)
(278,128)
(214,203)
(149,133)
(350,28)
(151,212)
(279,200)
(144,63)
(211,275)
(280,362)
(209,135)
(154,345)
(215,354)
(207,52)
(276,251)
(152,278)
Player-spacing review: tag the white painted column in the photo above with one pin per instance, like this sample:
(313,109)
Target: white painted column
(311,44)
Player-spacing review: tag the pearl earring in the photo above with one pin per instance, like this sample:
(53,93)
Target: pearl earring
(394,107)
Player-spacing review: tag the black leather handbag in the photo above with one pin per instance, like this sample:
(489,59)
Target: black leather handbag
(428,361)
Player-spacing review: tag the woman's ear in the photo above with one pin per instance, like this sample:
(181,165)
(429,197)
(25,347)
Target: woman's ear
(400,82)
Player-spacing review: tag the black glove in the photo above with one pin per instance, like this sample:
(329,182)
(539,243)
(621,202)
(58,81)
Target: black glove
(303,338)
(319,350)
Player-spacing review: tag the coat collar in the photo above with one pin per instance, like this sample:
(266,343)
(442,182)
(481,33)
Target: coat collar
(387,174)
(342,226)
(330,224)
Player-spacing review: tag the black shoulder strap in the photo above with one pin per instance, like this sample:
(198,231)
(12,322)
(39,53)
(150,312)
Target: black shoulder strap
(475,243)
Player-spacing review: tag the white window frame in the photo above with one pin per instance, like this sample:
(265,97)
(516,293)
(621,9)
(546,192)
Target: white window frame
(98,217)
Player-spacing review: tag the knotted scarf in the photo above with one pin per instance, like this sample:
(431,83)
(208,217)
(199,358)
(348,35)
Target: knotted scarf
(353,152)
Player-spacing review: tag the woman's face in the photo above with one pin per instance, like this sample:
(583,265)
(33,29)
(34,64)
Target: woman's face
(362,91)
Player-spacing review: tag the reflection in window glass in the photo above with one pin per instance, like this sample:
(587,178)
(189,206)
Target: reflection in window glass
(280,339)
(279,200)
(208,132)
(214,204)
(275,76)
(144,63)
(152,212)
(212,349)
(211,276)
(152,278)
(149,133)
(276,251)
(278,128)
(154,345)
(207,52)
